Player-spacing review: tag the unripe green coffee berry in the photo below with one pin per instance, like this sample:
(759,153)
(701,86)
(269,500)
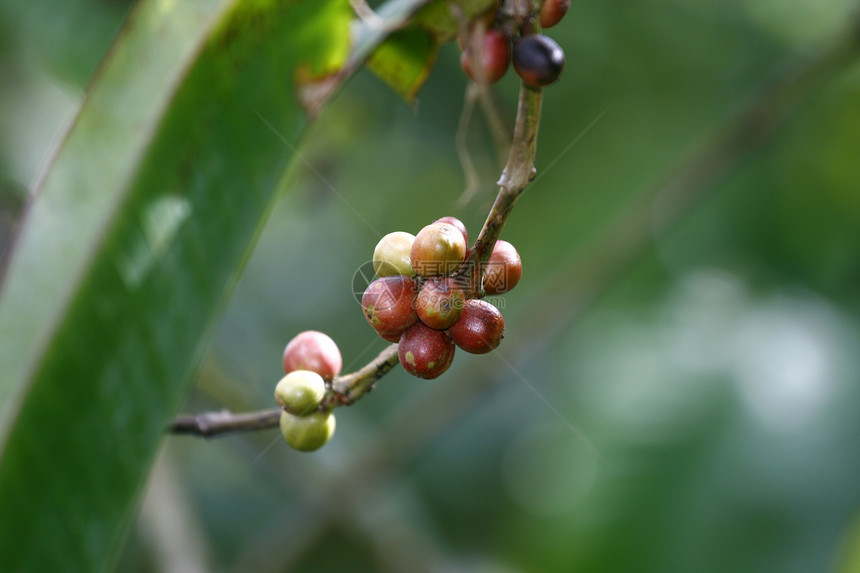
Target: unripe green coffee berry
(300,392)
(307,433)
(391,255)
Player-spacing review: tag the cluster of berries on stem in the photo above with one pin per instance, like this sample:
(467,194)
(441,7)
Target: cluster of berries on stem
(424,298)
(428,294)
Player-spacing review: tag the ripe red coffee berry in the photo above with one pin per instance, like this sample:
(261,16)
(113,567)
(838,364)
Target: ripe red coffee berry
(538,60)
(504,269)
(552,11)
(425,352)
(314,351)
(456,223)
(440,303)
(492,58)
(480,328)
(484,20)
(389,305)
(438,250)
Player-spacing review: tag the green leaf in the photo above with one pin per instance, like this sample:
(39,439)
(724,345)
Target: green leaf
(50,32)
(439,17)
(404,60)
(137,234)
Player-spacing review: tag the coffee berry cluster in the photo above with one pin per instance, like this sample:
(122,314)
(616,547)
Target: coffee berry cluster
(311,361)
(487,50)
(421,298)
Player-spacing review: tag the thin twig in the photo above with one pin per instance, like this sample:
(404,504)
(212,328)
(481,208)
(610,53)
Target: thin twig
(363,10)
(473,182)
(211,424)
(477,90)
(496,122)
(346,390)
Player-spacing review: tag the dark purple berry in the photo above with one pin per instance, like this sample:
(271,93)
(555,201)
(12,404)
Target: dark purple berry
(538,60)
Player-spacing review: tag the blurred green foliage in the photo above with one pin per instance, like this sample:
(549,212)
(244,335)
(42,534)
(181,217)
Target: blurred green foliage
(700,417)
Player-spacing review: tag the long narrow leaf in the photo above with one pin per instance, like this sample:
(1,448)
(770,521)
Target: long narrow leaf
(137,233)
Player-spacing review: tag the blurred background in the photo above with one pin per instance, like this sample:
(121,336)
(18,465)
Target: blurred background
(690,407)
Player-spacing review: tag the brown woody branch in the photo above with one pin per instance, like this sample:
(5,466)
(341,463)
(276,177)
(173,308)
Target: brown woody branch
(516,176)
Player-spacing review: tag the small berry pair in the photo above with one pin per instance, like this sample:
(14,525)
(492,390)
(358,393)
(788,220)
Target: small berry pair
(537,59)
(427,311)
(310,360)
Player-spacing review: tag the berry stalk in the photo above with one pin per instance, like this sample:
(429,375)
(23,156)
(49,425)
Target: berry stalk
(347,389)
(517,174)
